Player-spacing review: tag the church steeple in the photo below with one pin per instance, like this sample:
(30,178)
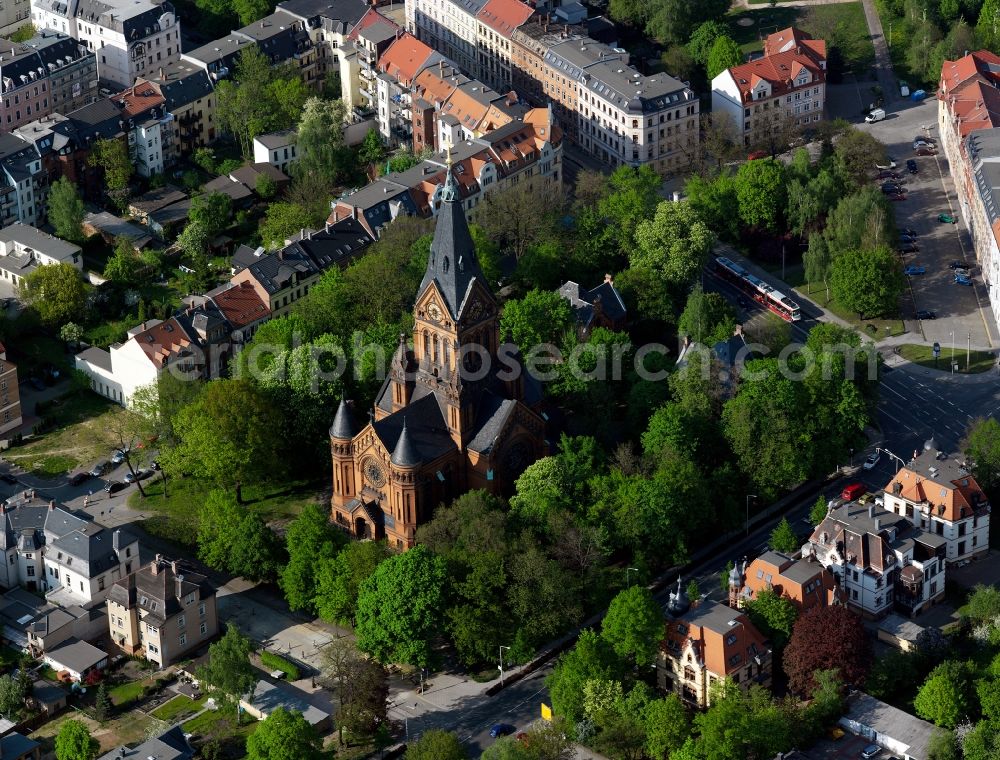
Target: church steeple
(452,263)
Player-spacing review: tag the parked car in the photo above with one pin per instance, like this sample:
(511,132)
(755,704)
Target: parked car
(501,729)
(872,750)
(37,383)
(961,279)
(962,273)
(896,197)
(923,150)
(853,491)
(8,479)
(957,265)
(117,457)
(872,459)
(907,247)
(904,238)
(889,163)
(114,486)
(926,314)
(886,174)
(892,187)
(78,478)
(914,269)
(947,218)
(911,166)
(139,475)
(926,139)
(907,231)
(876,114)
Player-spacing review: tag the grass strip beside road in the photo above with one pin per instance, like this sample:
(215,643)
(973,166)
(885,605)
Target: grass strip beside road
(979,361)
(178,707)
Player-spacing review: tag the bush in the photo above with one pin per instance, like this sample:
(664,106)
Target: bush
(273,661)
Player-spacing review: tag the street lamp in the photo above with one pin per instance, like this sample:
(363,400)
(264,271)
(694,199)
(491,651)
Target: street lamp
(629,570)
(952,334)
(749,496)
(502,647)
(852,457)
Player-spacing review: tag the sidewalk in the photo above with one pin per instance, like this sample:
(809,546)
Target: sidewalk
(940,375)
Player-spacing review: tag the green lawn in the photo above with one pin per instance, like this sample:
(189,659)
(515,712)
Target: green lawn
(126,693)
(842,25)
(979,361)
(9,657)
(873,328)
(175,518)
(794,274)
(178,707)
(220,725)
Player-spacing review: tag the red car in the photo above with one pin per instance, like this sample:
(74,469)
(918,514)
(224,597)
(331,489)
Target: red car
(758,154)
(926,152)
(853,491)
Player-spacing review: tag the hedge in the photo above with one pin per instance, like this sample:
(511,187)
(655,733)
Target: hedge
(273,661)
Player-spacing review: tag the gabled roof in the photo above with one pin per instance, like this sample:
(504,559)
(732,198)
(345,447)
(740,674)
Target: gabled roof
(240,304)
(504,16)
(371,18)
(180,83)
(792,38)
(778,70)
(405,58)
(723,639)
(161,341)
(172,745)
(943,484)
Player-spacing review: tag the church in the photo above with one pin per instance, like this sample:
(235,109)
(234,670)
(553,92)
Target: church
(454,414)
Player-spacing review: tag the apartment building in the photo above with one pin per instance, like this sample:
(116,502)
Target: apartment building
(149,127)
(50,72)
(162,611)
(706,643)
(13,16)
(968,100)
(10,395)
(938,494)
(24,248)
(23,182)
(976,172)
(371,37)
(283,38)
(785,89)
(189,96)
(450,27)
(802,581)
(495,25)
(397,71)
(51,549)
(130,38)
(881,561)
(528,151)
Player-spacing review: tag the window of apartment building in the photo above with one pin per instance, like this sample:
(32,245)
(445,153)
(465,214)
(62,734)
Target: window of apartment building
(182,639)
(181,621)
(854,594)
(204,628)
(152,629)
(31,571)
(119,622)
(201,609)
(152,648)
(100,583)
(81,585)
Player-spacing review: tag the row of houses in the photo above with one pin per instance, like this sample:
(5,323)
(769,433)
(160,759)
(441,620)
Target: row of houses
(969,128)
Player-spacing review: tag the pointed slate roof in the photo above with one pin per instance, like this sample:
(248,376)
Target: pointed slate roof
(405,454)
(452,264)
(343,425)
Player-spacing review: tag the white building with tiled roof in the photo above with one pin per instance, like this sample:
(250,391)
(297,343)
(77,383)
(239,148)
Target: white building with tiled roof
(786,87)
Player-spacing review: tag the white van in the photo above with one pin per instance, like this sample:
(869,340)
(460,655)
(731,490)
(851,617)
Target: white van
(876,115)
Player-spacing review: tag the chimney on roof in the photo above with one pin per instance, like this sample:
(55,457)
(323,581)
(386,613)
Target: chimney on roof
(173,566)
(154,566)
(161,72)
(52,505)
(878,524)
(441,67)
(871,510)
(116,538)
(178,584)
(328,225)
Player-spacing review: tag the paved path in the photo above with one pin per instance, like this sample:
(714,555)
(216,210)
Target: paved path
(883,61)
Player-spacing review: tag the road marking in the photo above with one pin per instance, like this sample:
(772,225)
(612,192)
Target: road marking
(894,391)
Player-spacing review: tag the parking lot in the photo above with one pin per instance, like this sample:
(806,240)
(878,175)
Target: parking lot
(963,313)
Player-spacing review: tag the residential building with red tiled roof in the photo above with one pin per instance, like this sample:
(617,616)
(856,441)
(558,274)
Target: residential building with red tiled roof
(150,127)
(705,643)
(804,581)
(965,101)
(497,21)
(448,26)
(10,395)
(398,68)
(937,493)
(783,90)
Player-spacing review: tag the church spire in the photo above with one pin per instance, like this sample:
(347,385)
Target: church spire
(452,263)
(405,454)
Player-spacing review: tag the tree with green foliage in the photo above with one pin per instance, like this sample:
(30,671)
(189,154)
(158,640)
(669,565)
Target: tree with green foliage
(856,153)
(283,220)
(236,540)
(361,686)
(743,724)
(112,157)
(633,625)
(783,538)
(71,332)
(860,221)
(983,604)
(724,53)
(212,211)
(667,726)
(819,510)
(816,261)
(868,282)
(12,694)
(22,34)
(56,292)
(102,703)
(707,317)
(265,187)
(320,143)
(773,615)
(520,216)
(541,317)
(74,742)
(823,636)
(632,196)
(703,38)
(66,210)
(194,240)
(123,264)
(674,243)
(944,698)
(943,745)
(592,658)
(228,670)
(285,734)
(436,745)
(371,150)
(715,199)
(340,579)
(982,446)
(230,435)
(400,607)
(311,541)
(761,193)
(249,11)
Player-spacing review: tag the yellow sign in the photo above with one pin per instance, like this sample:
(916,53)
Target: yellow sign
(546,712)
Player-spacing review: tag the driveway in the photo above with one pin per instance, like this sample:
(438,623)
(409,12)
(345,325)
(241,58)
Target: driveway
(963,313)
